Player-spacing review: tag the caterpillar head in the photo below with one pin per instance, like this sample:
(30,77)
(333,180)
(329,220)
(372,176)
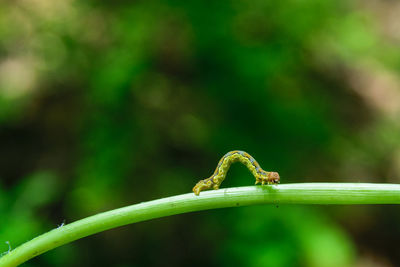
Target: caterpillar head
(201,186)
(268,178)
(274,178)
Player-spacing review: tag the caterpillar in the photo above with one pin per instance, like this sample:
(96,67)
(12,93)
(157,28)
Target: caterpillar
(215,180)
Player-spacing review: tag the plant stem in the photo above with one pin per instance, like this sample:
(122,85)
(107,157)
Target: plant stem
(302,193)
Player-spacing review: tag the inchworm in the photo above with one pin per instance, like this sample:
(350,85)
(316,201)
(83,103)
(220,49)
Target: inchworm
(215,180)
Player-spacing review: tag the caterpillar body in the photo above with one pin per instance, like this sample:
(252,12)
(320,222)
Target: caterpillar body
(215,180)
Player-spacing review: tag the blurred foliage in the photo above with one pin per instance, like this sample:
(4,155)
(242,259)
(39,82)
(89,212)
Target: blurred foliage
(105,104)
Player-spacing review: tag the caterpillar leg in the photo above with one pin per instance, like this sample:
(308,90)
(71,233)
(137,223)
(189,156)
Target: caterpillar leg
(205,184)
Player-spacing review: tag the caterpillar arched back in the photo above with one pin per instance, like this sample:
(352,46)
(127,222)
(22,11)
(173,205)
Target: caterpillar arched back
(215,180)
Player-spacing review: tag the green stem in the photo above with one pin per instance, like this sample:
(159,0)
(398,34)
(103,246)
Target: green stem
(303,193)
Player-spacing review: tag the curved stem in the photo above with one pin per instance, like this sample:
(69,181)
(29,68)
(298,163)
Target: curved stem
(302,193)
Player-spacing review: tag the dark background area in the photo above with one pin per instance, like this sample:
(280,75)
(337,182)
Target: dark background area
(104,104)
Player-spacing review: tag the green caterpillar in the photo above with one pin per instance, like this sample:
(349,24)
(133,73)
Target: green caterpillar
(215,180)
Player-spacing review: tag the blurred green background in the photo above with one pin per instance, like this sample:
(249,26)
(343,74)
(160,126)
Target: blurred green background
(105,104)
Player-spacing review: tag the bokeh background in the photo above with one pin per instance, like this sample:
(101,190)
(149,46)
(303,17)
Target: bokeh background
(104,104)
